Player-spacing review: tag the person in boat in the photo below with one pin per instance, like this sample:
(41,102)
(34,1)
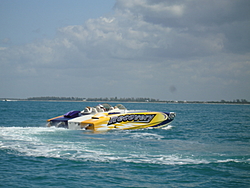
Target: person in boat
(102,108)
(87,110)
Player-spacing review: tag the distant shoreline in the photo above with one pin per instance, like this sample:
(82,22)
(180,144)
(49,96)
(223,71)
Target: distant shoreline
(123,101)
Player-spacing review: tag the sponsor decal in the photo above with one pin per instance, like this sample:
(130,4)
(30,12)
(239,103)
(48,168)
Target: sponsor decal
(132,117)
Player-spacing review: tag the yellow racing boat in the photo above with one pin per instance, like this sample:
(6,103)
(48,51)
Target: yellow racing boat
(112,118)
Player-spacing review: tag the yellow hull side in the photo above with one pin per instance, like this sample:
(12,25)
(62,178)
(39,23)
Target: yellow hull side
(133,120)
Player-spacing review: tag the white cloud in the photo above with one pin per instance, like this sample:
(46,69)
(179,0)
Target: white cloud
(3,48)
(145,48)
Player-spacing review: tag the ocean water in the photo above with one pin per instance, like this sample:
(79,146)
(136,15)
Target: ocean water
(207,145)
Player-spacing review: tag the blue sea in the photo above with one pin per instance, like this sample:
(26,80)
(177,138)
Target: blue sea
(207,145)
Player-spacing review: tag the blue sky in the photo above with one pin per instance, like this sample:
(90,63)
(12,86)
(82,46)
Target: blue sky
(164,49)
(26,21)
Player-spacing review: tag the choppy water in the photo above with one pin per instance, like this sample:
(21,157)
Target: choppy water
(205,146)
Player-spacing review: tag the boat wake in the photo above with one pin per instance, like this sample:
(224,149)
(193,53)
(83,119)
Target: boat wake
(168,127)
(127,146)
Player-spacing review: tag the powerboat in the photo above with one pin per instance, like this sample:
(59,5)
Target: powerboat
(104,117)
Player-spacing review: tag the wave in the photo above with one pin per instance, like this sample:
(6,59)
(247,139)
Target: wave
(141,135)
(127,146)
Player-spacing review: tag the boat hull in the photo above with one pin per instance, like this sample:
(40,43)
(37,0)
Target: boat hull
(126,121)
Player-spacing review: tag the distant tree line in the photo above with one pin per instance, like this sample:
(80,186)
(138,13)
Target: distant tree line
(48,98)
(131,99)
(235,101)
(238,101)
(115,99)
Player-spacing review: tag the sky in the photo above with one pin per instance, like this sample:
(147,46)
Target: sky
(194,50)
